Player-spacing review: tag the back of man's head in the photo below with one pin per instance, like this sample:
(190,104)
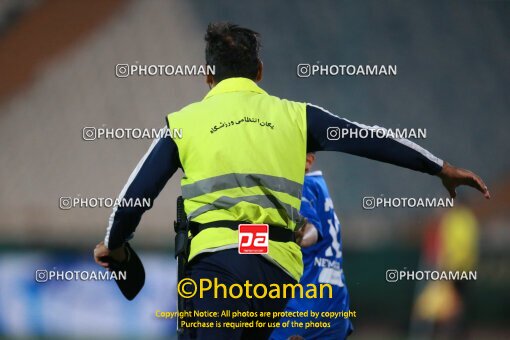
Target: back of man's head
(232,50)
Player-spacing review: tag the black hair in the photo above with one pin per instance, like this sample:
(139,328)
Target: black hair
(233,51)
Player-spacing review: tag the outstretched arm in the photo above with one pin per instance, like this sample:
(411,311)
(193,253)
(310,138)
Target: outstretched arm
(401,152)
(145,183)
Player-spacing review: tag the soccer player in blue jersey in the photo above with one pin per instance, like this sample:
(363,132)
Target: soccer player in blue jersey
(322,258)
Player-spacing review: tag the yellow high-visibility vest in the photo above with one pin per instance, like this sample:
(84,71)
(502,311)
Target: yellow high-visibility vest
(243,153)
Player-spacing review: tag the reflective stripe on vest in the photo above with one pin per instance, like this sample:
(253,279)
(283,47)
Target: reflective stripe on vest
(230,181)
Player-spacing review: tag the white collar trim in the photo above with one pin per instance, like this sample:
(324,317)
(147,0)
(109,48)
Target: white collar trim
(314,173)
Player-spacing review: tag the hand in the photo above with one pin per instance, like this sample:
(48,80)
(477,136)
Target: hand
(102,255)
(453,177)
(307,235)
(300,231)
(299,235)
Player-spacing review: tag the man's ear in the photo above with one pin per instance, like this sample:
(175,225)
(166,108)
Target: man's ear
(259,71)
(209,80)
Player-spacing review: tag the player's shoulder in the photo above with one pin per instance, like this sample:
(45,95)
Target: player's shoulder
(314,176)
(313,182)
(315,179)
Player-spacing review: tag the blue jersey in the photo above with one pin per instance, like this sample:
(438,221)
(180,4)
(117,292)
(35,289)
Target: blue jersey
(322,264)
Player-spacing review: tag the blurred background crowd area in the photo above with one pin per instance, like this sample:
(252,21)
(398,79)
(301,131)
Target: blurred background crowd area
(58,63)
